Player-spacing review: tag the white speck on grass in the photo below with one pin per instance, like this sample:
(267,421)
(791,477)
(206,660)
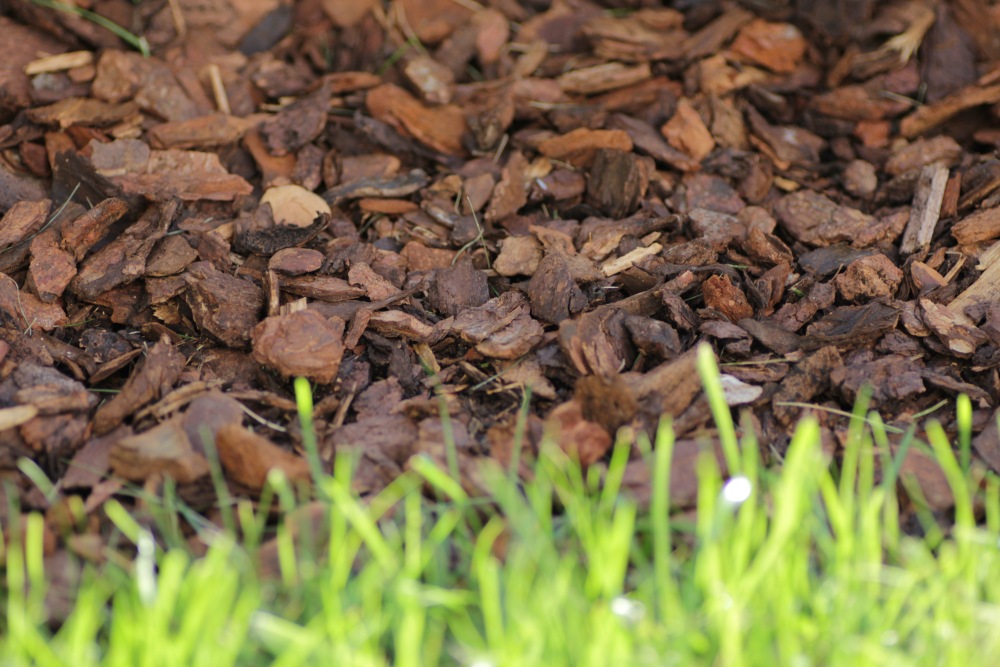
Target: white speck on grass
(145,568)
(630,610)
(737,490)
(481,663)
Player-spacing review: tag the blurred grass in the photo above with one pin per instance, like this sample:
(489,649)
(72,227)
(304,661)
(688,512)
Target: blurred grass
(801,564)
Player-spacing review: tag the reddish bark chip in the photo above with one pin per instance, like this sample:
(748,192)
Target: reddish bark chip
(721,295)
(302,343)
(579,438)
(296,261)
(248,458)
(439,128)
(297,124)
(457,288)
(502,328)
(223,306)
(777,46)
(686,132)
(150,380)
(815,219)
(580,146)
(869,277)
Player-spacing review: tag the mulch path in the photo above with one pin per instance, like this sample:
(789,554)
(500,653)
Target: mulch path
(436,205)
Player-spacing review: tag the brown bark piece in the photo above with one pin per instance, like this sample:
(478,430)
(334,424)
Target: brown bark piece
(930,116)
(602,78)
(297,124)
(397,324)
(808,378)
(767,248)
(686,132)
(924,470)
(580,146)
(171,256)
(553,293)
(16,187)
(394,186)
(854,326)
(207,414)
(922,152)
(392,436)
(958,333)
(162,450)
(221,305)
(510,193)
(215,129)
(22,220)
(123,260)
(892,378)
(51,268)
(581,439)
(647,140)
(433,20)
(721,295)
(711,37)
(788,144)
(188,175)
(618,181)
(925,278)
(259,232)
(90,464)
(719,230)
(421,258)
(502,328)
(324,288)
(433,80)
(981,226)
(869,277)
(124,74)
(987,443)
(646,35)
(376,287)
(301,343)
(813,218)
(860,178)
(347,13)
(440,128)
(151,379)
(652,337)
(457,288)
(248,458)
(275,170)
(776,46)
(514,341)
(296,261)
(858,103)
(519,256)
(26,311)
(82,111)
(670,388)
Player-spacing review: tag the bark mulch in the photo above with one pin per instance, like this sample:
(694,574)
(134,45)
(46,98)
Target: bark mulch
(437,205)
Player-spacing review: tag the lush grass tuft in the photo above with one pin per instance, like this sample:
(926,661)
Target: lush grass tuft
(796,565)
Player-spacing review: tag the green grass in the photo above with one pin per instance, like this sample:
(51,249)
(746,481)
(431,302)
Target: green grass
(797,564)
